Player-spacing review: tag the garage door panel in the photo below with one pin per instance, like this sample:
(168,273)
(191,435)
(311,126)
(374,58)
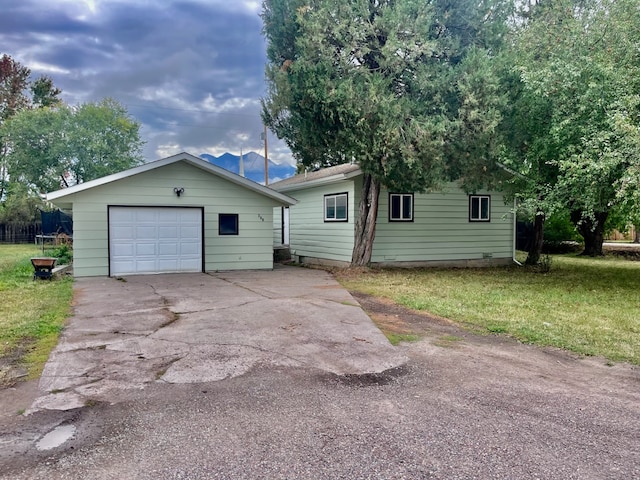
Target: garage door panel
(122,249)
(169,231)
(146,215)
(190,265)
(146,232)
(121,232)
(155,240)
(171,216)
(190,231)
(124,215)
(165,249)
(189,248)
(146,249)
(146,266)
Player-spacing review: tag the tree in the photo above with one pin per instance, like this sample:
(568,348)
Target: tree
(52,148)
(402,87)
(45,93)
(578,64)
(15,84)
(14,81)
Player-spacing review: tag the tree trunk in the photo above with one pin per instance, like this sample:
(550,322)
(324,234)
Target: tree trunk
(537,240)
(365,230)
(636,233)
(592,231)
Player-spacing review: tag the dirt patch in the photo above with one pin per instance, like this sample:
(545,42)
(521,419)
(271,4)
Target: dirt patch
(628,251)
(394,318)
(12,369)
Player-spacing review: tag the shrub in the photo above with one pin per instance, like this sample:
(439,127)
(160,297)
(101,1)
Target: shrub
(63,253)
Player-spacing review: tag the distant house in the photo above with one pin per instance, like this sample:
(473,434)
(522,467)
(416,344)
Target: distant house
(177,214)
(442,228)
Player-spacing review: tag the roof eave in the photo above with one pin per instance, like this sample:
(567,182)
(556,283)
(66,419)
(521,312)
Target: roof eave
(187,157)
(318,182)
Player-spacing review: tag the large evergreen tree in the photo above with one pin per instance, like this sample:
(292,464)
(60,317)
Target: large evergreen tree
(403,87)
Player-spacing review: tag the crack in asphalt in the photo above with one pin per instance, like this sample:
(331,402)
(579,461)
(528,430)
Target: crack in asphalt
(303,296)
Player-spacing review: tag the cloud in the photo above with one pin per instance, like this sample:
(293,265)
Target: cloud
(192,72)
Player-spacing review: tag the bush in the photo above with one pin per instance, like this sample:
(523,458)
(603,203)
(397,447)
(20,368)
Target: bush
(558,228)
(63,253)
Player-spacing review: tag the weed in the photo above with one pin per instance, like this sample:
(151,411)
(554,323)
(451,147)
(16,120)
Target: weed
(63,253)
(397,338)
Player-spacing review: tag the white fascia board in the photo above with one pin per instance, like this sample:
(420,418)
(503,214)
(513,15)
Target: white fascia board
(191,159)
(318,182)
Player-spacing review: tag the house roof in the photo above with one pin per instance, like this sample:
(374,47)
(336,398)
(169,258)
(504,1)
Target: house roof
(318,177)
(181,157)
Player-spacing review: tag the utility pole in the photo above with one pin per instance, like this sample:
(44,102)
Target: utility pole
(266,157)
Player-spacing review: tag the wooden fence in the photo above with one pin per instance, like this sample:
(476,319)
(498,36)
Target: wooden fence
(19,232)
(629,235)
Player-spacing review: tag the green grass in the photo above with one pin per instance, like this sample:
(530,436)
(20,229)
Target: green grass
(395,338)
(32,313)
(585,305)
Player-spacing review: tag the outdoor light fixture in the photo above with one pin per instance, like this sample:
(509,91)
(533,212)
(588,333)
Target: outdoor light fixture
(178,191)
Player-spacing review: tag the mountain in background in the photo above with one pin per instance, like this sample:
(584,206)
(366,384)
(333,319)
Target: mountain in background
(253,166)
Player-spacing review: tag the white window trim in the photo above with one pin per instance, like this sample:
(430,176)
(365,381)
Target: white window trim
(334,196)
(479,199)
(402,196)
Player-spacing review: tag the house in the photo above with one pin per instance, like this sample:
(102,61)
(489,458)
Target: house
(177,214)
(448,228)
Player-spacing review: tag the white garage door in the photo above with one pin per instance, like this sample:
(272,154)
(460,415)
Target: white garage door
(154,240)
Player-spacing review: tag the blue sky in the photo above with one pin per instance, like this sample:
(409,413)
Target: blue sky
(192,72)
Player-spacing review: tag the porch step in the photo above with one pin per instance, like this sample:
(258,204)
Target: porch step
(281,254)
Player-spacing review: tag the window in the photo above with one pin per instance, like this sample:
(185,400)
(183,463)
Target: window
(401,207)
(335,208)
(479,208)
(228,224)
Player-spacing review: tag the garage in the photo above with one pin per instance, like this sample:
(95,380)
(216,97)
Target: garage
(146,240)
(174,215)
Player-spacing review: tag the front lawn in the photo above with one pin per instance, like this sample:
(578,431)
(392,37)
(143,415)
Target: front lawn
(589,306)
(32,313)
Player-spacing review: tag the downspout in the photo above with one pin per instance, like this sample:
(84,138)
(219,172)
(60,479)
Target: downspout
(515,234)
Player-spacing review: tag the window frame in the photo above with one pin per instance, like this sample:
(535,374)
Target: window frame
(479,199)
(237,224)
(335,196)
(402,196)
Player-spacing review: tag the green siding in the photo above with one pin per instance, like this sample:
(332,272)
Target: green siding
(441,230)
(310,235)
(251,249)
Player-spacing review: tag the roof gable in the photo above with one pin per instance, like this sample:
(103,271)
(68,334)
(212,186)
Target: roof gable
(181,157)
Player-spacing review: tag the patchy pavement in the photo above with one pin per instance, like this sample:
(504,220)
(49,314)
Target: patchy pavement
(194,328)
(464,406)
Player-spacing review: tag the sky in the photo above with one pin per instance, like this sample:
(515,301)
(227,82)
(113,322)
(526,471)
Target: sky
(191,72)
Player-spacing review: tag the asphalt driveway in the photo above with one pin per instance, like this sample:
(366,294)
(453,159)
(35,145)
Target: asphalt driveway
(464,406)
(190,328)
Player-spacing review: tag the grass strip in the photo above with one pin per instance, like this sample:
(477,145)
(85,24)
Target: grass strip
(585,305)
(32,313)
